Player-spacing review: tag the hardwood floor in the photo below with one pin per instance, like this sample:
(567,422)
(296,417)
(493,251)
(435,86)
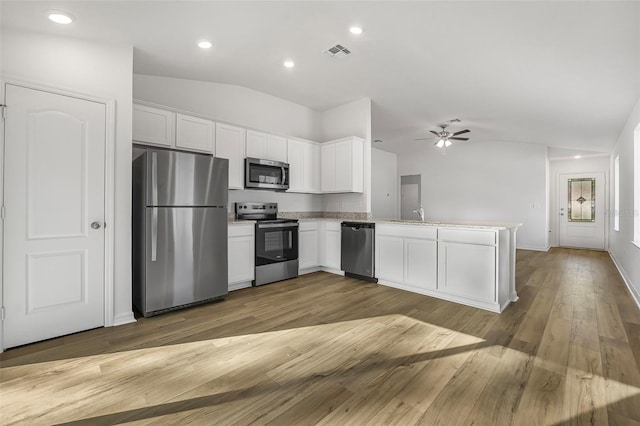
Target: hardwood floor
(324,349)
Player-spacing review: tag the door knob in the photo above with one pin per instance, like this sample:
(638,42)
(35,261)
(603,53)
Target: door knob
(95,225)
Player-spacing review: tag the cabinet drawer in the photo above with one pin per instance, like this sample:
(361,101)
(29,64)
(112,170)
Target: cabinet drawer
(240,230)
(307,226)
(410,231)
(467,236)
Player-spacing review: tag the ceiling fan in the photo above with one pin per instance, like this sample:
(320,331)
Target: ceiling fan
(444,138)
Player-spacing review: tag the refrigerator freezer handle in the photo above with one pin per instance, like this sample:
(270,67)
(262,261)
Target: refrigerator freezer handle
(154,178)
(154,234)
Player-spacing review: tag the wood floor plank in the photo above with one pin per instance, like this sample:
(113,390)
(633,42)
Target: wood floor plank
(328,349)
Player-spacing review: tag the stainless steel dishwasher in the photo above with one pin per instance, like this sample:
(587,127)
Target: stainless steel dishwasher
(358,250)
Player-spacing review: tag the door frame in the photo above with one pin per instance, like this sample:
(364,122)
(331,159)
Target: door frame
(605,201)
(109,188)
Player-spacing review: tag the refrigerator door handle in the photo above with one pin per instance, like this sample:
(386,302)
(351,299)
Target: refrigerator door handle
(154,178)
(154,234)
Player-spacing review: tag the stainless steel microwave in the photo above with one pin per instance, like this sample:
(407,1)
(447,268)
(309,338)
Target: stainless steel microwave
(266,174)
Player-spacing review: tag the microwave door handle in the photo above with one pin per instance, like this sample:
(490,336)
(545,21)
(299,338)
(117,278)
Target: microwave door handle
(284,175)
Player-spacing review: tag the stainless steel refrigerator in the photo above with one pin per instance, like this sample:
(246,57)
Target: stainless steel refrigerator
(179,229)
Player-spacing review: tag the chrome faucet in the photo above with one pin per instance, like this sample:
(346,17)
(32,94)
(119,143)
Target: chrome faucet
(420,212)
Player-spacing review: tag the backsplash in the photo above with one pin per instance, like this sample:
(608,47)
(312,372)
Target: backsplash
(326,215)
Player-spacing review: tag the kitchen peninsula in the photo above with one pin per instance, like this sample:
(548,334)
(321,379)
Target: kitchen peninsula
(467,263)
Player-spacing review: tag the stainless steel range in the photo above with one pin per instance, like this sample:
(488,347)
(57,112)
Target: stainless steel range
(276,244)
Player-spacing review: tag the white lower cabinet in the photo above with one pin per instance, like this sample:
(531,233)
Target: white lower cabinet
(406,256)
(420,268)
(390,258)
(330,245)
(308,245)
(241,246)
(467,270)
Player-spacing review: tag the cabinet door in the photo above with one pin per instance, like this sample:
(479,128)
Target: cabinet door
(308,244)
(194,133)
(153,126)
(256,144)
(241,259)
(230,142)
(296,166)
(390,258)
(276,148)
(343,166)
(327,167)
(420,265)
(467,270)
(332,249)
(311,168)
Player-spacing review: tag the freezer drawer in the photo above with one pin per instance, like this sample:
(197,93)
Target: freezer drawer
(185,257)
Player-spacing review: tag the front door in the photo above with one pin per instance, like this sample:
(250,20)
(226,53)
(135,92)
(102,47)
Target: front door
(54,232)
(581,204)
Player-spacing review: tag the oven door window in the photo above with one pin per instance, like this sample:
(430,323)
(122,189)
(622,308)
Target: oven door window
(259,173)
(275,245)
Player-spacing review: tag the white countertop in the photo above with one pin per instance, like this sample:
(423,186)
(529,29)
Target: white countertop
(448,224)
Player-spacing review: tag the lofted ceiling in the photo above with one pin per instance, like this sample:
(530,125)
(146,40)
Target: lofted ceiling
(564,74)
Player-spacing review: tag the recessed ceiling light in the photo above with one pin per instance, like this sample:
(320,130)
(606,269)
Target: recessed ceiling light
(60,17)
(355,30)
(289,63)
(204,44)
(577,157)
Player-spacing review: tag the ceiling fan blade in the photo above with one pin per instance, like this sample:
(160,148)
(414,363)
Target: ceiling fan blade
(423,139)
(461,132)
(434,132)
(458,139)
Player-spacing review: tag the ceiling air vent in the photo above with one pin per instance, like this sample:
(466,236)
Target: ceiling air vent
(337,51)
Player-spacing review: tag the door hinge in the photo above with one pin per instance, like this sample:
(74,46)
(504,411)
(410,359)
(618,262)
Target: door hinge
(2,213)
(4,110)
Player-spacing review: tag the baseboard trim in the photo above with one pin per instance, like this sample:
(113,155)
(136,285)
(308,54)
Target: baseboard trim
(634,294)
(124,318)
(239,285)
(533,248)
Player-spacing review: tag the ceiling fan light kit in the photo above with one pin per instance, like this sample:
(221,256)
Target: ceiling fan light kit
(444,138)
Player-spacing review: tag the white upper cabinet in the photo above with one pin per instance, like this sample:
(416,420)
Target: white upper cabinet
(342,165)
(195,134)
(265,146)
(304,166)
(153,126)
(230,144)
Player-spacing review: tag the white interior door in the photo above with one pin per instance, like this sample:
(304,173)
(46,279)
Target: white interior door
(581,204)
(54,230)
(409,200)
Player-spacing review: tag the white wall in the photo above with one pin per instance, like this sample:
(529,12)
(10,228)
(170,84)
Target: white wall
(351,119)
(624,252)
(492,181)
(97,70)
(384,184)
(582,165)
(243,107)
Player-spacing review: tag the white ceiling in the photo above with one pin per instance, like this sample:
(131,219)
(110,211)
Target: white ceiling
(565,74)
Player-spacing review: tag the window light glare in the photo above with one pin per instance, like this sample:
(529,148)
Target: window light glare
(355,30)
(60,17)
(289,64)
(204,44)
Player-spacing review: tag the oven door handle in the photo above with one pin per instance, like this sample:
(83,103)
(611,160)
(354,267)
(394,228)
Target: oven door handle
(277,225)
